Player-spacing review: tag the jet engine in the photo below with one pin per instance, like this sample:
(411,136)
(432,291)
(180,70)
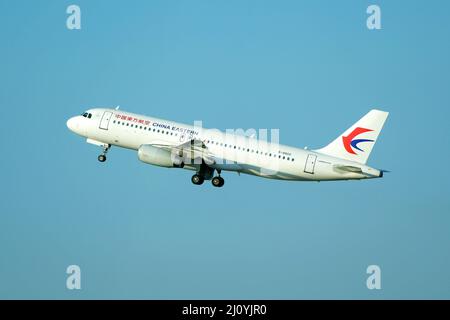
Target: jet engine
(159,157)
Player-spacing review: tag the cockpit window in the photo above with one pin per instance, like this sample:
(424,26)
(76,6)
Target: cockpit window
(90,115)
(87,115)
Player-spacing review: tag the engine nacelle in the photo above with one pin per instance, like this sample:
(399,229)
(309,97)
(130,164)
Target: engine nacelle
(159,157)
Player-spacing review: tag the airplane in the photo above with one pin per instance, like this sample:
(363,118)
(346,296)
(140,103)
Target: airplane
(208,151)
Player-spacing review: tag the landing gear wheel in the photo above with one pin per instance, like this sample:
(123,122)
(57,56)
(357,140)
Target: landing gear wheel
(102,157)
(197,179)
(218,182)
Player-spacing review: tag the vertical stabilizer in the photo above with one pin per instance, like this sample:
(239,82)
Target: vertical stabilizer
(357,142)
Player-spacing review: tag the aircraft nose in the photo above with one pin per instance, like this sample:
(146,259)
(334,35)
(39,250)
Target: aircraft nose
(73,124)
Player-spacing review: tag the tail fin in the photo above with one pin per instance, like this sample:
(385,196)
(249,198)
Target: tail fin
(357,142)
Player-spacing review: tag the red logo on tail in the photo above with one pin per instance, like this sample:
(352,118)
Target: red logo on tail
(349,143)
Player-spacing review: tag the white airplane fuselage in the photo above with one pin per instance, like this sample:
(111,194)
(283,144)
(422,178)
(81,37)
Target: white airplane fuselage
(229,152)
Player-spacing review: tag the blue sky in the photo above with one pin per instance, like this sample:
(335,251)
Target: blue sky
(309,68)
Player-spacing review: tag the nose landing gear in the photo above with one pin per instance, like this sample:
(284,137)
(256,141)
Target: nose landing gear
(102,157)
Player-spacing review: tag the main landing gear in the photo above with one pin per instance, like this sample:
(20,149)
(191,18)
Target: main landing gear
(217,181)
(197,179)
(102,157)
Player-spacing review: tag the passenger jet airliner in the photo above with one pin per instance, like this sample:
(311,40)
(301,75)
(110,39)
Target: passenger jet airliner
(209,151)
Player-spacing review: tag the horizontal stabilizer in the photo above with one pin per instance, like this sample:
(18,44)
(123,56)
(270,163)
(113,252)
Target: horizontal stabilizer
(348,168)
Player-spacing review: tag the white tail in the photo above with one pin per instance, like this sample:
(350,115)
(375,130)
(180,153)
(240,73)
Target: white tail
(357,142)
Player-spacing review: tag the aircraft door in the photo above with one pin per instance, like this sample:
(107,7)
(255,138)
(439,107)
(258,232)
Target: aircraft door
(310,163)
(104,123)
